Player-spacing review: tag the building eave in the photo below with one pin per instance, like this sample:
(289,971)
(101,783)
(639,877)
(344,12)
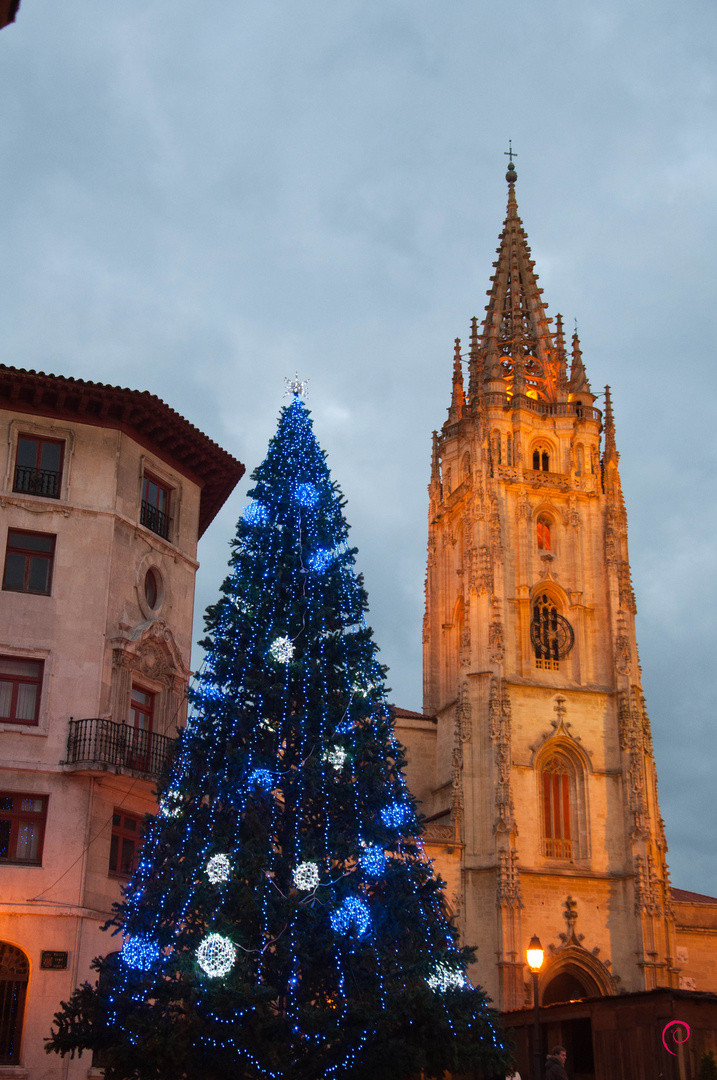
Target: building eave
(140,415)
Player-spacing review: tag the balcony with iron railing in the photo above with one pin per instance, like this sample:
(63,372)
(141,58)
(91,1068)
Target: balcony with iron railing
(32,481)
(155,519)
(103,745)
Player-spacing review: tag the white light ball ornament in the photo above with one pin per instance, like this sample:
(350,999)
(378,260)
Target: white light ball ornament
(445,977)
(306,876)
(218,869)
(216,956)
(335,757)
(282,650)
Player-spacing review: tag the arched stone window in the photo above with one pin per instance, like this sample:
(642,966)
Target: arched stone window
(14,973)
(466,466)
(544,533)
(558,788)
(561,773)
(541,459)
(495,448)
(551,634)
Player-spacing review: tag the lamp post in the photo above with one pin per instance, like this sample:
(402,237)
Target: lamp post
(535,962)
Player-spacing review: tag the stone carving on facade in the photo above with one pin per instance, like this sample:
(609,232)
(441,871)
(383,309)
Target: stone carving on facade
(647,896)
(572,952)
(627,596)
(508,888)
(150,651)
(495,633)
(543,479)
(622,646)
(499,718)
(465,644)
(496,544)
(573,515)
(480,570)
(560,727)
(611,537)
(523,509)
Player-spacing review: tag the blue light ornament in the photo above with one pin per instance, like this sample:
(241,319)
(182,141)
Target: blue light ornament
(140,952)
(354,914)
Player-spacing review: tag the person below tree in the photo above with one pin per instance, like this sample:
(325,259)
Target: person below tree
(555,1064)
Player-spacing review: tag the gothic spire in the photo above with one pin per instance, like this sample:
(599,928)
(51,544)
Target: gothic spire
(610,450)
(515,333)
(458,397)
(578,378)
(476,371)
(561,360)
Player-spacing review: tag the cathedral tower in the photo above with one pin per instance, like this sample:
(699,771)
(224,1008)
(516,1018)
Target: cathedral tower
(542,812)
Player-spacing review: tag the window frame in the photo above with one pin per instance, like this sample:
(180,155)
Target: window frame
(557,808)
(543,530)
(151,516)
(17,680)
(16,819)
(36,470)
(121,833)
(139,743)
(29,554)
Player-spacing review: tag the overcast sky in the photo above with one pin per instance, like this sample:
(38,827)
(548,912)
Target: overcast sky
(201,199)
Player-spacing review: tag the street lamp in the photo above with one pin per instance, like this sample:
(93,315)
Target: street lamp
(535,962)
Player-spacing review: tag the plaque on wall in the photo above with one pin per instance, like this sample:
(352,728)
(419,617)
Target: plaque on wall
(53,961)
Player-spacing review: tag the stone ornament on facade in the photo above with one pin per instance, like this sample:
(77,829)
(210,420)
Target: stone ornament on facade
(572,954)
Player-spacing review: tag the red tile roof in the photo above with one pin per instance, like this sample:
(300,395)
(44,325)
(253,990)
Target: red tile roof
(408,714)
(683,896)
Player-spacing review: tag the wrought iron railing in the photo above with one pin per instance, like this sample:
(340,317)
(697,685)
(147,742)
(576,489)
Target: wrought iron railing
(154,519)
(31,481)
(106,744)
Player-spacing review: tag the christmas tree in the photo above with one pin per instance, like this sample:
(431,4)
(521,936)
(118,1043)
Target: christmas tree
(283,921)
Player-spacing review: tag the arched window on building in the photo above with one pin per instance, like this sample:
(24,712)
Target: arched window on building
(558,784)
(466,466)
(544,526)
(14,974)
(541,459)
(551,634)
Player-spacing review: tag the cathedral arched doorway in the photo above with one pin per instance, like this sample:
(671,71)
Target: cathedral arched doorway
(569,986)
(14,974)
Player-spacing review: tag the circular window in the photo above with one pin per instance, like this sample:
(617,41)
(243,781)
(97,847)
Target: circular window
(152,588)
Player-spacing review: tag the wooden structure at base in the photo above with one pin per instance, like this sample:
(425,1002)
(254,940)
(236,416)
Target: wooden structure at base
(621,1037)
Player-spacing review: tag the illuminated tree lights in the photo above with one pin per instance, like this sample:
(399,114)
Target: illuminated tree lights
(218,869)
(283,922)
(306,876)
(446,977)
(336,757)
(354,914)
(216,955)
(140,952)
(282,649)
(373,860)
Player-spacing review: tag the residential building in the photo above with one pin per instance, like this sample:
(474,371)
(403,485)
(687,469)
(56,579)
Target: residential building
(104,493)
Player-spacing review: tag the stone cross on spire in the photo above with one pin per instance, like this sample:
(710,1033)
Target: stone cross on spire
(511,175)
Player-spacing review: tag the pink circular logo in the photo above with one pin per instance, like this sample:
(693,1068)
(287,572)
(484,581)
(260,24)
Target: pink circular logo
(675,1035)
